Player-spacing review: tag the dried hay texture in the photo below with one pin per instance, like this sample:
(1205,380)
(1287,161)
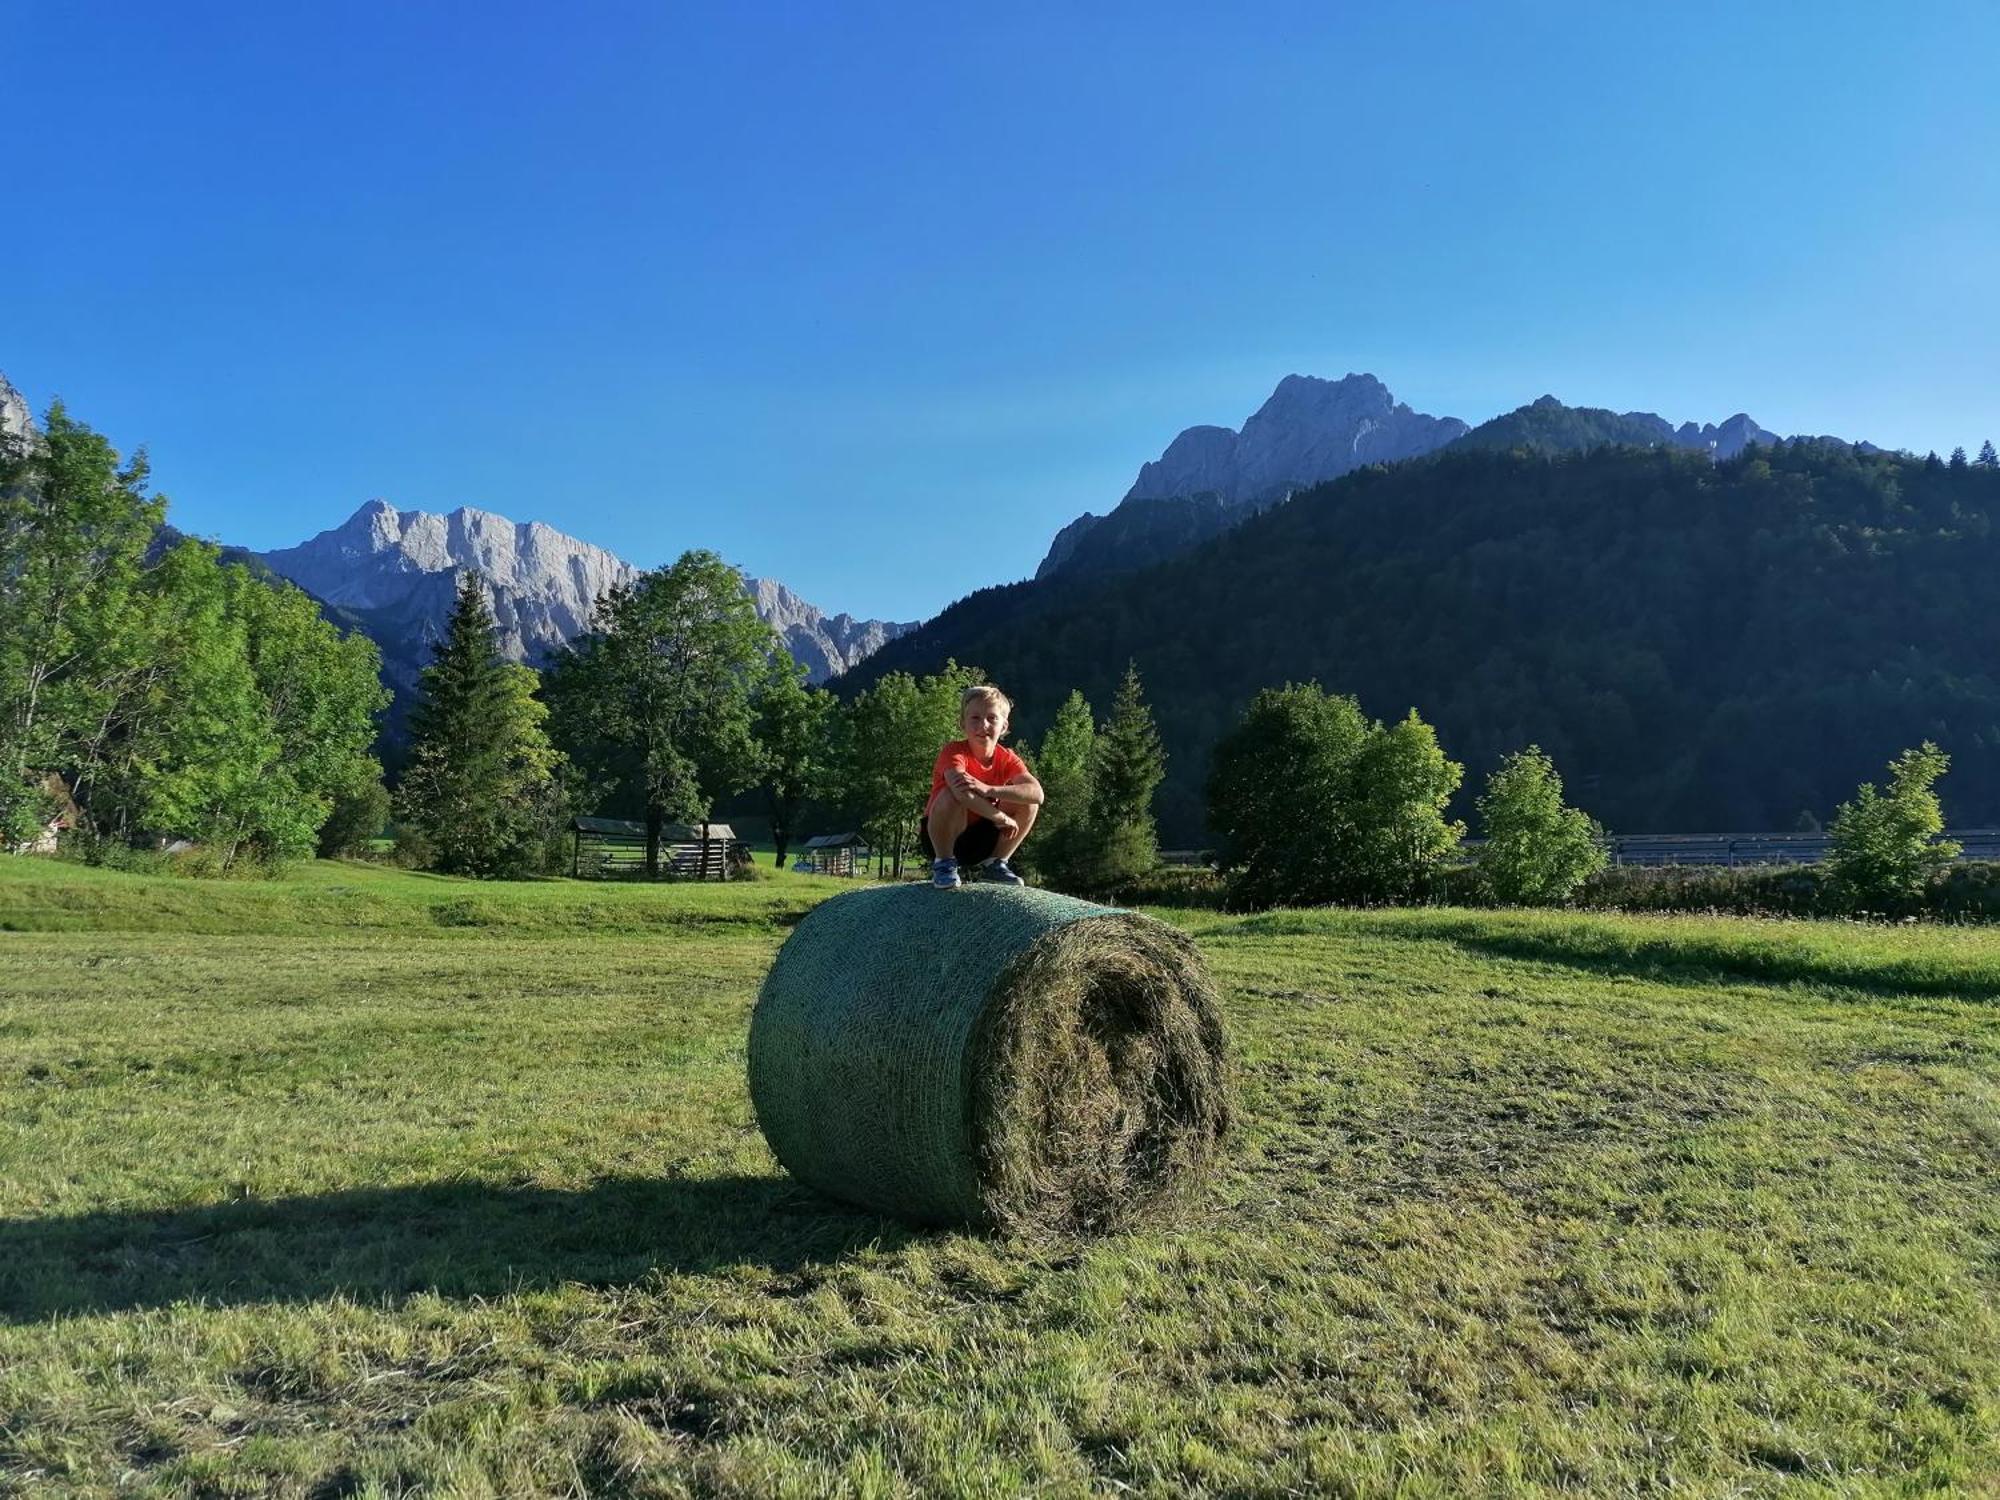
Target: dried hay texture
(995,1056)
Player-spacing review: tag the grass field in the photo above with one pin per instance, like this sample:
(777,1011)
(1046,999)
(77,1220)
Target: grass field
(370,1183)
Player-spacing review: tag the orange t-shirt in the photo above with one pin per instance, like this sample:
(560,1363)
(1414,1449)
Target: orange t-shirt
(1003,768)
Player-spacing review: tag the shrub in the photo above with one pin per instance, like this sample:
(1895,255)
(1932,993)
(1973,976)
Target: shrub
(360,813)
(1175,885)
(1884,854)
(1750,890)
(411,849)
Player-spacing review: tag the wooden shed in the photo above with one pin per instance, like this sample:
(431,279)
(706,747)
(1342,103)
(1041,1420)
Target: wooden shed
(617,847)
(836,853)
(63,815)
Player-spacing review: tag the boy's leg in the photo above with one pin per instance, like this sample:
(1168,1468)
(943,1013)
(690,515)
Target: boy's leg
(945,821)
(1023,814)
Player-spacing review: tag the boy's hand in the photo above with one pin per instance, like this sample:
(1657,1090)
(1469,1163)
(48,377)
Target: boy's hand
(1002,820)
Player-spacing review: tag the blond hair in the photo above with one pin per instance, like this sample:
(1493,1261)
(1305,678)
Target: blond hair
(985,692)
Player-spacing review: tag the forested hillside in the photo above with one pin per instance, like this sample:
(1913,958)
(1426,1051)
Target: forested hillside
(1547,426)
(1700,646)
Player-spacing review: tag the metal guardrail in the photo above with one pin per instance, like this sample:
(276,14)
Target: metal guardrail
(1731,849)
(1726,849)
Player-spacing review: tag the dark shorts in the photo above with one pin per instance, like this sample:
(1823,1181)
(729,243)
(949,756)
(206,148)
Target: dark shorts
(978,842)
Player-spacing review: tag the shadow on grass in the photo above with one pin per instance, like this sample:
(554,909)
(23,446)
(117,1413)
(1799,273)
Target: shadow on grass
(1695,959)
(456,1239)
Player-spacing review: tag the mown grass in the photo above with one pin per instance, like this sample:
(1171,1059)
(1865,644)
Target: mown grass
(1522,1203)
(50,896)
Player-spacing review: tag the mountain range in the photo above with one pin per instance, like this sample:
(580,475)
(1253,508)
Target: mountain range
(392,574)
(1309,431)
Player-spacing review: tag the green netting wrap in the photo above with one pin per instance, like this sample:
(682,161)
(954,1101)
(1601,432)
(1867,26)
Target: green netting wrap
(995,1056)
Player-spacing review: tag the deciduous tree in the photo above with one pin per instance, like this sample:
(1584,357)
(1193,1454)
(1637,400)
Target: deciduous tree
(891,735)
(794,727)
(1537,850)
(1885,845)
(887,746)
(75,521)
(1315,802)
(654,701)
(1397,835)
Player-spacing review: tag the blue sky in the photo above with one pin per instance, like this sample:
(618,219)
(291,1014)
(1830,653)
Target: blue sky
(873,299)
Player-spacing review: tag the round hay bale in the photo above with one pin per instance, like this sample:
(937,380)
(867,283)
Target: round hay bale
(995,1056)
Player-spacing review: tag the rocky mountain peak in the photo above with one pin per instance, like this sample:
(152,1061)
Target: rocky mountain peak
(15,418)
(397,570)
(1309,430)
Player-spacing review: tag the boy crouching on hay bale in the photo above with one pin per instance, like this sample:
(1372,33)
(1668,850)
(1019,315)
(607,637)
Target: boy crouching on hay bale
(983,797)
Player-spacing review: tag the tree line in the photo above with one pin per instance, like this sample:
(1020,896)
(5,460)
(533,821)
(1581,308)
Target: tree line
(158,693)
(1700,645)
(166,693)
(1315,803)
(680,697)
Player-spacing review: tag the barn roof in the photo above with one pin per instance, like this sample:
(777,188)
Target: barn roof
(837,841)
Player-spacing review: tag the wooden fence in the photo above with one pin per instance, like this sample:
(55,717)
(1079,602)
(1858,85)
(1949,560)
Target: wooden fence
(606,847)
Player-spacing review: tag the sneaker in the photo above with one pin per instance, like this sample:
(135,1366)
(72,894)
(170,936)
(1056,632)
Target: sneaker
(996,871)
(944,874)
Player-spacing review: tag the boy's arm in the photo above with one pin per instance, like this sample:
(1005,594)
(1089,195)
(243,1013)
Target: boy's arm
(979,795)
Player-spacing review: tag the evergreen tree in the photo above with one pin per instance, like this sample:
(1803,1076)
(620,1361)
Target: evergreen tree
(1987,459)
(794,728)
(1062,764)
(1537,850)
(480,761)
(1957,459)
(654,703)
(1127,763)
(1885,845)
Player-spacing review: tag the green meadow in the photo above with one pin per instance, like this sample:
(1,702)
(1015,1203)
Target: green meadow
(369,1183)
